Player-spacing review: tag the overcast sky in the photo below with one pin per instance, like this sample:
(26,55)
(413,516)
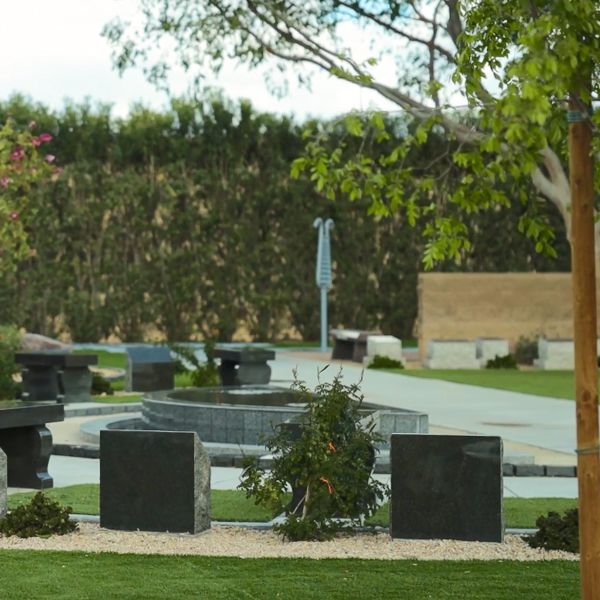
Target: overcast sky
(52,50)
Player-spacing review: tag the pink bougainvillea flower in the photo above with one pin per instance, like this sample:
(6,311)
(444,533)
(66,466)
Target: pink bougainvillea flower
(14,215)
(36,141)
(17,154)
(50,158)
(4,181)
(45,137)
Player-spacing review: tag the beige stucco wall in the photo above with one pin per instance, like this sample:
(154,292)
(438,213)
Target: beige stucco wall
(508,305)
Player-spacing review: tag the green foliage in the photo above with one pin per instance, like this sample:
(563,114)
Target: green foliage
(328,465)
(101,385)
(502,362)
(10,341)
(202,374)
(42,517)
(526,350)
(557,532)
(383,362)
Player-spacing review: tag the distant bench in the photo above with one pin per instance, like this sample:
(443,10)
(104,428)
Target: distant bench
(350,344)
(49,375)
(27,442)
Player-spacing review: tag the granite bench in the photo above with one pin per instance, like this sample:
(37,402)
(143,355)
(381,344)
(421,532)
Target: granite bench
(27,442)
(54,376)
(244,366)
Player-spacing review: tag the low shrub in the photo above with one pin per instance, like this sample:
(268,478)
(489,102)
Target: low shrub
(202,374)
(101,386)
(502,362)
(526,351)
(42,517)
(327,462)
(557,532)
(383,362)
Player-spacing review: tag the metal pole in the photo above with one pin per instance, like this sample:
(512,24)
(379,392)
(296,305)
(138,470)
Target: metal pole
(585,335)
(323,319)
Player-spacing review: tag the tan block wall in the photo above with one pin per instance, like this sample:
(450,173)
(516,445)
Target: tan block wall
(507,305)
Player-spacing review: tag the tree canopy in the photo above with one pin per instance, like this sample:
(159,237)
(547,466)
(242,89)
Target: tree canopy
(491,76)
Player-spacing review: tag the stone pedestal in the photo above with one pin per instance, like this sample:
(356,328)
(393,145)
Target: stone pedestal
(446,487)
(3,485)
(154,481)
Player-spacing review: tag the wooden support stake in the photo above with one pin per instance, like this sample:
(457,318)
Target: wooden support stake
(586,366)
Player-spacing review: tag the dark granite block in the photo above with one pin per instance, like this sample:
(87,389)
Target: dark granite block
(244,366)
(149,369)
(446,487)
(154,481)
(560,471)
(76,384)
(530,470)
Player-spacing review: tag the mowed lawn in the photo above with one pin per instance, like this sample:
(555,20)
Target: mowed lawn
(232,505)
(75,575)
(554,384)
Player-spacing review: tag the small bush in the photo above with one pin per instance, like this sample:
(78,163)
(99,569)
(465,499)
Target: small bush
(101,385)
(202,374)
(502,362)
(10,341)
(526,351)
(327,463)
(42,517)
(383,362)
(557,532)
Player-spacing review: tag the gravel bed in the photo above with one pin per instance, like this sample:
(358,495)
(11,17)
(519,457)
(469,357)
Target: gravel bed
(248,543)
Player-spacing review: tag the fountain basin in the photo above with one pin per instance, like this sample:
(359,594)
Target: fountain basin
(246,415)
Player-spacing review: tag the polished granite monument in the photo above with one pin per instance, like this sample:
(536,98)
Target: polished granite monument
(446,487)
(154,481)
(27,442)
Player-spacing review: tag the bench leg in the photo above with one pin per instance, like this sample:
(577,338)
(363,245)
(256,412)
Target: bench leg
(27,451)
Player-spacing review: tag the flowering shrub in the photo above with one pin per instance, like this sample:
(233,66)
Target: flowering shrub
(327,462)
(22,163)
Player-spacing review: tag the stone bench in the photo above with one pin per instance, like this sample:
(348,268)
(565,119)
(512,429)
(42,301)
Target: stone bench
(27,442)
(451,354)
(54,376)
(489,348)
(350,344)
(244,366)
(384,345)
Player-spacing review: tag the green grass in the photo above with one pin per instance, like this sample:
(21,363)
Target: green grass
(232,505)
(61,575)
(107,359)
(227,505)
(117,398)
(555,384)
(518,512)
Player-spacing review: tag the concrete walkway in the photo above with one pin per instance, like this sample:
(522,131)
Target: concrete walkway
(540,425)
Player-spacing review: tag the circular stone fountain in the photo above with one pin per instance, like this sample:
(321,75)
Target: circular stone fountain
(241,415)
